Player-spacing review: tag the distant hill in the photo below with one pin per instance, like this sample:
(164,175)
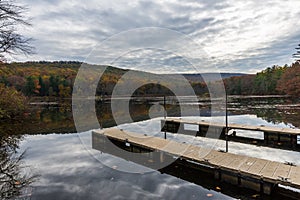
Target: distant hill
(56,79)
(210,76)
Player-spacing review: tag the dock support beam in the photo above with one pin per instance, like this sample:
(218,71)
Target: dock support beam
(293,141)
(266,137)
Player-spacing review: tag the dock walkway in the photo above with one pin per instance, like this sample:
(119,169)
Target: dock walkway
(282,136)
(262,128)
(254,173)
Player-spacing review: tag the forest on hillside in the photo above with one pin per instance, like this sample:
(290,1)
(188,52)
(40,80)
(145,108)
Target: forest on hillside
(56,79)
(276,80)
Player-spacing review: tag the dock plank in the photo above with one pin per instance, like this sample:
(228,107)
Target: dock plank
(269,170)
(194,152)
(215,157)
(237,163)
(228,159)
(257,167)
(247,164)
(212,155)
(282,171)
(294,176)
(175,148)
(233,161)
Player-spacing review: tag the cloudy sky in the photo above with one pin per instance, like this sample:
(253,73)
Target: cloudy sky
(234,35)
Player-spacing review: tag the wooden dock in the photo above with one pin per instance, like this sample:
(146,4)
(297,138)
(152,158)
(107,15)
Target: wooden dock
(271,135)
(249,172)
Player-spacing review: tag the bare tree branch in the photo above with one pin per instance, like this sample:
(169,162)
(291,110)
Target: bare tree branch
(12,42)
(13,180)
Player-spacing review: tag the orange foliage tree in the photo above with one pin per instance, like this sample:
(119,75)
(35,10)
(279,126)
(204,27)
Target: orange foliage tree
(290,80)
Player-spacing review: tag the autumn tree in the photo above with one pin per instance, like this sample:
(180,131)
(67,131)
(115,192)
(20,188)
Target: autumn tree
(290,81)
(16,81)
(12,102)
(42,89)
(267,80)
(64,91)
(29,87)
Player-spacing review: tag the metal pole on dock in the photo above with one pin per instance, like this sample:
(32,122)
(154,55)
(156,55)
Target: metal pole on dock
(226,115)
(165,114)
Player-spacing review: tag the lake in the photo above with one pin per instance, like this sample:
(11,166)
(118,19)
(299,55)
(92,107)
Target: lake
(67,167)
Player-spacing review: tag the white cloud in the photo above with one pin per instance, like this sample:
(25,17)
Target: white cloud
(244,36)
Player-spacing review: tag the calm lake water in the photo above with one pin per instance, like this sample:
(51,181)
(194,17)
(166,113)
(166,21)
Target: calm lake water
(69,168)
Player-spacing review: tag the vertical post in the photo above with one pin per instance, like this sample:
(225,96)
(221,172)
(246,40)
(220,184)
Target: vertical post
(100,121)
(165,115)
(293,141)
(266,137)
(226,116)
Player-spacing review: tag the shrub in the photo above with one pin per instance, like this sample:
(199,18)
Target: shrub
(12,102)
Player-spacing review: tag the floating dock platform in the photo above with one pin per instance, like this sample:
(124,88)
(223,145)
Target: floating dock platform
(272,136)
(253,173)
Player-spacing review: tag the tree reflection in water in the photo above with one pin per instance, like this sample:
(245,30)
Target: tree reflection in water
(14,182)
